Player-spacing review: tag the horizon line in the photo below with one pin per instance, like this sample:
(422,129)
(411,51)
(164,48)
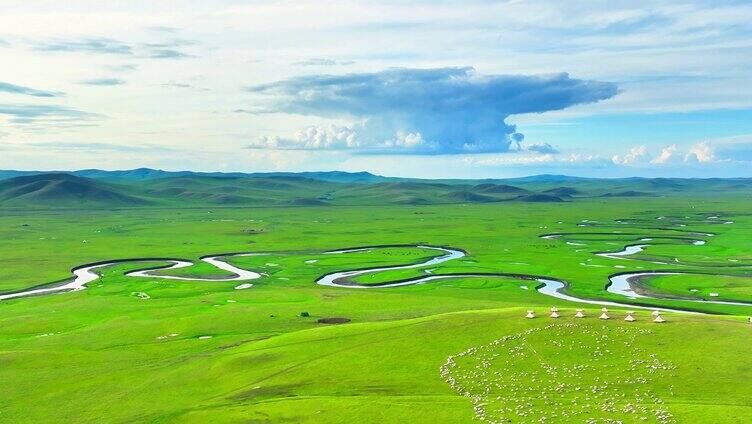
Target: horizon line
(58,171)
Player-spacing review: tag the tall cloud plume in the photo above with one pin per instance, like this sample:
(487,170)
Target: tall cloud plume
(427,111)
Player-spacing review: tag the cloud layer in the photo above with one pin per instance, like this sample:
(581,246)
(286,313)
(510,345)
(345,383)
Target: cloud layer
(681,67)
(87,45)
(6,87)
(103,81)
(318,61)
(109,46)
(424,111)
(707,158)
(23,114)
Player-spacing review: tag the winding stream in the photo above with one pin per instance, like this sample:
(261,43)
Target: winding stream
(85,274)
(628,251)
(624,284)
(238,273)
(341,279)
(620,284)
(547,286)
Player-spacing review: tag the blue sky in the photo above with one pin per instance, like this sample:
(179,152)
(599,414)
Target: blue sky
(425,89)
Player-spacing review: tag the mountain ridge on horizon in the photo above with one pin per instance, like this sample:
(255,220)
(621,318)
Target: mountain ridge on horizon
(145,173)
(146,187)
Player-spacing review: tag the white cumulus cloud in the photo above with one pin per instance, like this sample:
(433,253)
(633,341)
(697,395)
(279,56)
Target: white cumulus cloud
(331,137)
(700,153)
(636,155)
(668,154)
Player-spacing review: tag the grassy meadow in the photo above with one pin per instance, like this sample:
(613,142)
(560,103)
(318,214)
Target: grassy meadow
(202,352)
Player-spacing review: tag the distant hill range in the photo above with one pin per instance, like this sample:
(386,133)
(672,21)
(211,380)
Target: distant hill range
(63,190)
(144,187)
(140,174)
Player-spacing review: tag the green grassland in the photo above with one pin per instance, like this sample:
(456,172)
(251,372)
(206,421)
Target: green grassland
(727,287)
(192,351)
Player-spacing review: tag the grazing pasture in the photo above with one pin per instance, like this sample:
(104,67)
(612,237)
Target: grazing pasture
(458,349)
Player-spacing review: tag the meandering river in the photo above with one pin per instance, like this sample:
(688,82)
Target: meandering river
(622,284)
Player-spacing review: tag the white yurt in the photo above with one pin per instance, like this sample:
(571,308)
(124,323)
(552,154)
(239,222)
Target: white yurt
(604,314)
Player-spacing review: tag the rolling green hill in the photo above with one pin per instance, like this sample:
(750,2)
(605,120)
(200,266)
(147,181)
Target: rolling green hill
(64,190)
(142,174)
(148,188)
